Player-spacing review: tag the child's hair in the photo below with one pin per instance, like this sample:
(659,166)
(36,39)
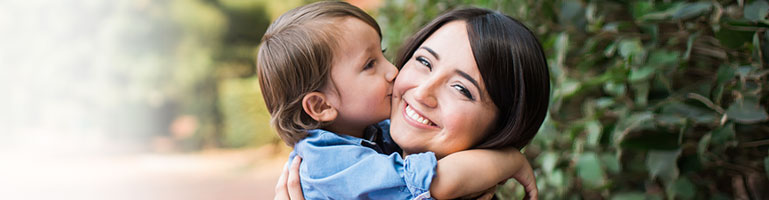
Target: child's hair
(512,65)
(295,59)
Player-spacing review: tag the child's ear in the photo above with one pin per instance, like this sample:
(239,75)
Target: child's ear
(316,105)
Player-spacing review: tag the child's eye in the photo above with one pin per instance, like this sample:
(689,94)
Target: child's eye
(424,62)
(368,65)
(463,90)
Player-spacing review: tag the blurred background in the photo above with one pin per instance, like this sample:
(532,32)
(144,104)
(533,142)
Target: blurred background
(158,99)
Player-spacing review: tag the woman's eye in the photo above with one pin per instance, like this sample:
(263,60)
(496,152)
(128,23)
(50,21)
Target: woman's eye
(424,62)
(464,91)
(369,65)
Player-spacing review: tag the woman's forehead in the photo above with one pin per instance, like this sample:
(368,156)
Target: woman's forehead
(450,46)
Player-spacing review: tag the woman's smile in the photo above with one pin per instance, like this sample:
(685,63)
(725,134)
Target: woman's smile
(415,118)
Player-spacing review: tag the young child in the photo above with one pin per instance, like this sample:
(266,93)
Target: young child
(325,82)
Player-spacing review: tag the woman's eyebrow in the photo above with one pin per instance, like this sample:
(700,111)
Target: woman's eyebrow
(431,52)
(469,78)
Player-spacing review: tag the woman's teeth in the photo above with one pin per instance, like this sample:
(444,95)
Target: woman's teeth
(416,117)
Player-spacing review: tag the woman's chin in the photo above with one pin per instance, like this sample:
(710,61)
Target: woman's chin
(401,137)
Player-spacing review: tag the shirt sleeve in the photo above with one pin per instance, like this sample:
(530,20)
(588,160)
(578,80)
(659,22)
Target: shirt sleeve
(334,168)
(418,177)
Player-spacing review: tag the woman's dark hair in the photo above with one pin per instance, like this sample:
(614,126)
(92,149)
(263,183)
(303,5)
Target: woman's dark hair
(512,65)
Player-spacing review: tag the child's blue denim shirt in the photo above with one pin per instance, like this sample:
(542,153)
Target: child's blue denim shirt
(346,167)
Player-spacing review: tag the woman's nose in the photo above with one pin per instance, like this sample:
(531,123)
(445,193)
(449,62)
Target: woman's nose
(425,93)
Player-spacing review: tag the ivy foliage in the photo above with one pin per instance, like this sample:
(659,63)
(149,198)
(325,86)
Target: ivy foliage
(650,99)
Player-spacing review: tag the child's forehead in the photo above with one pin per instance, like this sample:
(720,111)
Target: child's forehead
(355,37)
(349,23)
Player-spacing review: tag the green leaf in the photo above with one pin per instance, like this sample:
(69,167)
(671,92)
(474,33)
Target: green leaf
(615,89)
(589,170)
(628,48)
(683,188)
(690,10)
(733,38)
(690,44)
(662,164)
(723,134)
(557,179)
(573,13)
(611,162)
(663,58)
(756,10)
(697,114)
(670,119)
(641,8)
(629,196)
(702,147)
(609,51)
(561,47)
(548,161)
(747,111)
(593,129)
(639,74)
(641,92)
(628,123)
(604,102)
(661,15)
(569,87)
(724,74)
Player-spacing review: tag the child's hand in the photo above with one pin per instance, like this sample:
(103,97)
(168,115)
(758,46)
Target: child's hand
(482,195)
(467,172)
(525,176)
(288,186)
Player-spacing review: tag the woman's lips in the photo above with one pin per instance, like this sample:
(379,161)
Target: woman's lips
(415,119)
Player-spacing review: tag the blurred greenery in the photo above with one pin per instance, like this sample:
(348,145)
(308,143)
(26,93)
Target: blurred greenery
(197,70)
(650,99)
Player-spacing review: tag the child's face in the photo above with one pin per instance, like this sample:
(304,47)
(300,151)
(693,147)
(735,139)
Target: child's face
(440,102)
(361,79)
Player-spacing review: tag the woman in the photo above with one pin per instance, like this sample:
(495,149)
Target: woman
(469,71)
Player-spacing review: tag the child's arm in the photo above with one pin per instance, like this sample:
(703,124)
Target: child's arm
(466,172)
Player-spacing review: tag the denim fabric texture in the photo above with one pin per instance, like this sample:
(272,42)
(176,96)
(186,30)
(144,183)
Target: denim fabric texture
(345,167)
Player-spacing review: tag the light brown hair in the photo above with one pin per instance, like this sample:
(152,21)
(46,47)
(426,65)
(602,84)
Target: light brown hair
(295,59)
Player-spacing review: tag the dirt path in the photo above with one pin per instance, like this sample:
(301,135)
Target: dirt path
(215,174)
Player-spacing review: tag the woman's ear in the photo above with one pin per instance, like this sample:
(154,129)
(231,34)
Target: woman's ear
(316,105)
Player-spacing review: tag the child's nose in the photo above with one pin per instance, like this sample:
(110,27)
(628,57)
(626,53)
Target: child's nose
(391,73)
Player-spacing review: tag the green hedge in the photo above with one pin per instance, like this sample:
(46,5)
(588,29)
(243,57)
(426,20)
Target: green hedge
(650,99)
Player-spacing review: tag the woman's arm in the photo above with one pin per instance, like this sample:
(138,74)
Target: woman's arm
(467,172)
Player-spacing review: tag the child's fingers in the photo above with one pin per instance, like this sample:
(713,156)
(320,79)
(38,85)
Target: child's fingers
(280,188)
(526,177)
(293,184)
(488,194)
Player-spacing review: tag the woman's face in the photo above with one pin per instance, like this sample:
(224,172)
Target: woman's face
(440,103)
